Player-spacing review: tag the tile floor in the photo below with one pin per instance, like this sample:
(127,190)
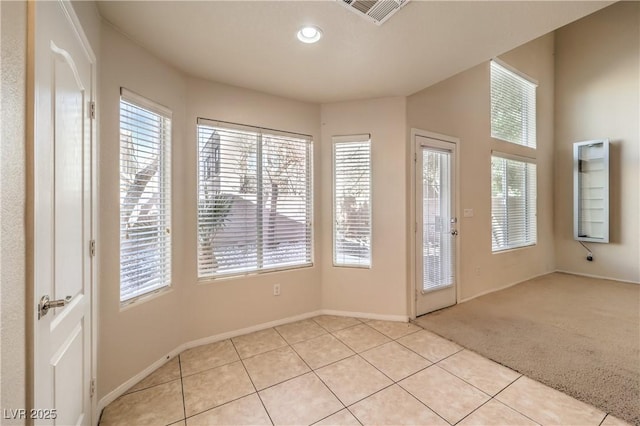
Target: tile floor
(333,370)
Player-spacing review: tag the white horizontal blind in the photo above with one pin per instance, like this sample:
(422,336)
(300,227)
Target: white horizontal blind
(352,203)
(254,199)
(513,107)
(438,245)
(145,197)
(513,203)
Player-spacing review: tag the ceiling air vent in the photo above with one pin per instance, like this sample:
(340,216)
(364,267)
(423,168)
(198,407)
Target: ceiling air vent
(376,11)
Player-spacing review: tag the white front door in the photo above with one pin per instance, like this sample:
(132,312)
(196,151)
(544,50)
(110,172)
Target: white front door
(436,229)
(63,90)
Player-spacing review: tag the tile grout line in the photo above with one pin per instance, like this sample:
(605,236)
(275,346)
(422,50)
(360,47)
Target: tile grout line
(250,379)
(432,362)
(222,365)
(373,347)
(605,416)
(470,384)
(325,385)
(491,397)
(211,368)
(418,399)
(513,408)
(474,410)
(184,402)
(393,382)
(464,347)
(397,383)
(422,369)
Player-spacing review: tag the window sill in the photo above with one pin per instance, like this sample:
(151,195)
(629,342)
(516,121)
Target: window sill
(128,304)
(240,275)
(512,249)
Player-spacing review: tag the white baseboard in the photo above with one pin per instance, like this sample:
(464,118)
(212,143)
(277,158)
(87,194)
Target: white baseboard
(504,287)
(120,390)
(247,330)
(597,276)
(124,387)
(397,318)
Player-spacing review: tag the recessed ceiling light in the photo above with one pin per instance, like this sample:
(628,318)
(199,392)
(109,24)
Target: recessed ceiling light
(309,34)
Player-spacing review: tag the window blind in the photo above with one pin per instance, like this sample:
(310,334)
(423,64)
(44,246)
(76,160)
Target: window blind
(352,201)
(145,196)
(438,245)
(254,199)
(513,203)
(513,106)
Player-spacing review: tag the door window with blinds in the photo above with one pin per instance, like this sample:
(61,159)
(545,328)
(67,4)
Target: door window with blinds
(145,196)
(352,201)
(513,106)
(254,199)
(513,202)
(438,245)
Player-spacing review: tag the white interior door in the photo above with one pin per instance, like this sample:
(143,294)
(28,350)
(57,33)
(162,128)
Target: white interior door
(62,216)
(436,228)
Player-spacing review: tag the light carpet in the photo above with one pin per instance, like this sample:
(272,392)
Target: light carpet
(576,334)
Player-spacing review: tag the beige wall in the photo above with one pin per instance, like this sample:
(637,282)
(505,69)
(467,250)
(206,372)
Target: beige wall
(459,107)
(133,338)
(597,96)
(13,333)
(217,306)
(381,290)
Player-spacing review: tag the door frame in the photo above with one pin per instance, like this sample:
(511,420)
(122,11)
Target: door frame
(413,289)
(32,290)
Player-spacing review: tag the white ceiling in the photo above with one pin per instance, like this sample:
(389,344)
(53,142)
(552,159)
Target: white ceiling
(253,44)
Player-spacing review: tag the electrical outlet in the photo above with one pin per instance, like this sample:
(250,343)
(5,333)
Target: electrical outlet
(276,289)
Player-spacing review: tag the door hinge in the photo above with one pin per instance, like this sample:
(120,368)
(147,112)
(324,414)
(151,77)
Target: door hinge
(92,109)
(92,248)
(415,157)
(92,388)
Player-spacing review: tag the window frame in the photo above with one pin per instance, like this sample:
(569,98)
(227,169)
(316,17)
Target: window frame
(165,191)
(522,80)
(351,139)
(260,131)
(533,241)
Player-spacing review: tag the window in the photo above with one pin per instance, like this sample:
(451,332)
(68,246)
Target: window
(513,107)
(145,196)
(352,201)
(513,202)
(254,199)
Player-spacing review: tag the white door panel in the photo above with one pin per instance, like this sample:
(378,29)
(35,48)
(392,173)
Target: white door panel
(69,98)
(62,215)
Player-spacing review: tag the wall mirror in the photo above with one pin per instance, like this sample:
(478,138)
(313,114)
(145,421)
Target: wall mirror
(591,191)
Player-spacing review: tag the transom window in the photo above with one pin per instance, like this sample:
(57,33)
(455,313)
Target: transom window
(513,106)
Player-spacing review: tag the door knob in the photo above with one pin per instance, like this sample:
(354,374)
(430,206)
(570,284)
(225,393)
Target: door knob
(454,232)
(46,304)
